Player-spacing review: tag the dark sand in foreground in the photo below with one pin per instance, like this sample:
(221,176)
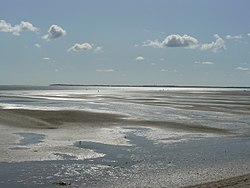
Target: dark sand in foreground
(235,182)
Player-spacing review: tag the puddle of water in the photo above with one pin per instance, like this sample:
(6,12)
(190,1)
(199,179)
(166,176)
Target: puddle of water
(27,140)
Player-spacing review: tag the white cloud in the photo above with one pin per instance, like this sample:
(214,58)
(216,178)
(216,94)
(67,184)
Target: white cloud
(162,59)
(242,68)
(27,26)
(174,40)
(17,29)
(248,34)
(154,44)
(180,41)
(80,47)
(139,58)
(204,62)
(105,70)
(214,46)
(54,32)
(234,37)
(85,46)
(37,45)
(6,27)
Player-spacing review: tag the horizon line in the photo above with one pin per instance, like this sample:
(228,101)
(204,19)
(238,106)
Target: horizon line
(147,85)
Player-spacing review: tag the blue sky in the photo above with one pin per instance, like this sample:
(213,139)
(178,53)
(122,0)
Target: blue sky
(180,42)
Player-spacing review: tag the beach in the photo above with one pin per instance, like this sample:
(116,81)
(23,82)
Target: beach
(235,182)
(124,137)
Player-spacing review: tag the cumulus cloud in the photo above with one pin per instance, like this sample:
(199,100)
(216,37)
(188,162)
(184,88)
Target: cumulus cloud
(180,41)
(204,62)
(139,58)
(233,37)
(154,44)
(17,29)
(6,27)
(77,47)
(27,26)
(174,40)
(80,47)
(242,68)
(54,32)
(216,46)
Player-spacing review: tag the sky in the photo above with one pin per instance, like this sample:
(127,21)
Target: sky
(156,42)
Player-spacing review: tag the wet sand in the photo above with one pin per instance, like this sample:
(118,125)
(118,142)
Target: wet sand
(115,155)
(42,119)
(235,182)
(53,119)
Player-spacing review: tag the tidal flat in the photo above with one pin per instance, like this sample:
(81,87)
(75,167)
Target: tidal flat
(123,137)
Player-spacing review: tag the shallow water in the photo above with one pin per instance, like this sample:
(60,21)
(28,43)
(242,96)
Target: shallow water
(136,165)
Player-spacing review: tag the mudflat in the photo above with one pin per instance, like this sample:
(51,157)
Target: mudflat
(234,182)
